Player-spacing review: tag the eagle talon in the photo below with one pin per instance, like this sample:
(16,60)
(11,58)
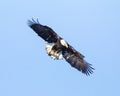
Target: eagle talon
(55,54)
(51,53)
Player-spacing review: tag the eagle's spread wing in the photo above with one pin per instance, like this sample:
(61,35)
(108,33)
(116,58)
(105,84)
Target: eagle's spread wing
(72,56)
(43,31)
(76,60)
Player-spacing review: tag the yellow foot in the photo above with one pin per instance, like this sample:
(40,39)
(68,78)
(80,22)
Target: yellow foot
(55,54)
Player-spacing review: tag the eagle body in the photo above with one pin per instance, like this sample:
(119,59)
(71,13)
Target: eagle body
(57,48)
(53,52)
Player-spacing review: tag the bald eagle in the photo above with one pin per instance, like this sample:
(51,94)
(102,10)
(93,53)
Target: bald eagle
(57,48)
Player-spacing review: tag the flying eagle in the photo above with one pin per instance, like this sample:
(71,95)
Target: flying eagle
(57,48)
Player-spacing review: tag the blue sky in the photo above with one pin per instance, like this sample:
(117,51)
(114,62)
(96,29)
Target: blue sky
(91,26)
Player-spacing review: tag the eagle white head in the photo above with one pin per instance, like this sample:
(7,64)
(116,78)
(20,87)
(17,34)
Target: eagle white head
(64,43)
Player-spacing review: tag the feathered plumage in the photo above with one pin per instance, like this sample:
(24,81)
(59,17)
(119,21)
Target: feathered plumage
(59,47)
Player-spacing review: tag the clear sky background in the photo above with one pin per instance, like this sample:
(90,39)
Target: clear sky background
(91,26)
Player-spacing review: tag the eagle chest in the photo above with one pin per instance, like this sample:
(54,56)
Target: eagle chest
(57,47)
(54,50)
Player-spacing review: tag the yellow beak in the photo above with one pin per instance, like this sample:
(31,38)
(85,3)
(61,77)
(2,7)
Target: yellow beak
(66,46)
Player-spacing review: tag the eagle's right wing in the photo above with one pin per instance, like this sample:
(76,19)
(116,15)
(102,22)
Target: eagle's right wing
(76,59)
(44,32)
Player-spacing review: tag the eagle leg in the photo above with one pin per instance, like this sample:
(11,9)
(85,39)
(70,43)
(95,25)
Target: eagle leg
(50,52)
(54,54)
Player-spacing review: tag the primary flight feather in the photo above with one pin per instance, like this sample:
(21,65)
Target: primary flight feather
(58,48)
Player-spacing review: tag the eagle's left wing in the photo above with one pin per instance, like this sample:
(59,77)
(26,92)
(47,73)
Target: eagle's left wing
(76,59)
(44,32)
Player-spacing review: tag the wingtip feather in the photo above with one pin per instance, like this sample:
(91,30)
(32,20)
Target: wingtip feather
(89,69)
(32,22)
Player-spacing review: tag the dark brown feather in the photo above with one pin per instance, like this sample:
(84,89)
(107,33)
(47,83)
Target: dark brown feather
(44,32)
(76,59)
(73,57)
